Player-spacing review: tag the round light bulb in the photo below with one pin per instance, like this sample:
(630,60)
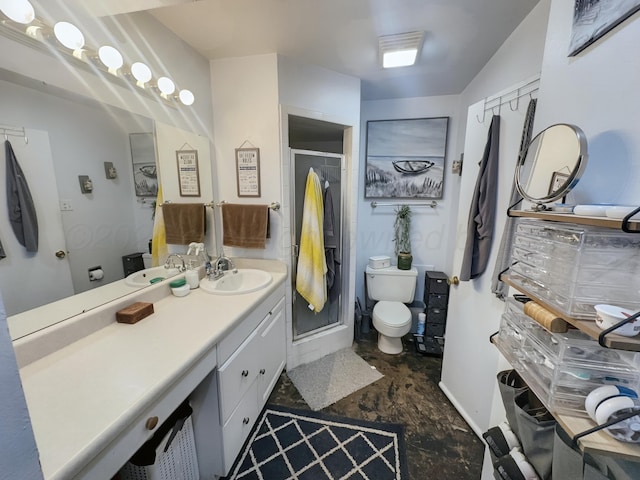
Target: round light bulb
(111,57)
(141,72)
(166,85)
(20,11)
(186,97)
(69,35)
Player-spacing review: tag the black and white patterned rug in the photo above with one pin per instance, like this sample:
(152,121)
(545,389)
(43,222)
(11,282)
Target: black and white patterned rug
(289,444)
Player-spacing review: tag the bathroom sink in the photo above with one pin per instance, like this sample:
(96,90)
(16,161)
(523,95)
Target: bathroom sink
(143,278)
(236,282)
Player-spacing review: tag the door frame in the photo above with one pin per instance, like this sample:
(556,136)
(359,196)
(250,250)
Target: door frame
(324,342)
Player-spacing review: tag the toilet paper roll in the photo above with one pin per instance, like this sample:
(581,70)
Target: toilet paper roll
(96,274)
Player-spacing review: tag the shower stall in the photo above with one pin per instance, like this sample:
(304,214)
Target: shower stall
(330,169)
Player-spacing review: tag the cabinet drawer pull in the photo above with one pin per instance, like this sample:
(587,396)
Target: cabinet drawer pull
(245,420)
(262,371)
(245,373)
(151,423)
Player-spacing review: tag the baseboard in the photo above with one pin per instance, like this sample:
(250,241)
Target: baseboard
(461,411)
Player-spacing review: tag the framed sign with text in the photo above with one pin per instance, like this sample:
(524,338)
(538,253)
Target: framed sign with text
(248,172)
(188,174)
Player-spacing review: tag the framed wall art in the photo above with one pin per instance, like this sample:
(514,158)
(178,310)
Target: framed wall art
(188,174)
(248,172)
(592,19)
(406,158)
(143,156)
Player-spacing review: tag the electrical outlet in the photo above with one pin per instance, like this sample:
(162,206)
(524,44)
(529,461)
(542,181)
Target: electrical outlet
(65,205)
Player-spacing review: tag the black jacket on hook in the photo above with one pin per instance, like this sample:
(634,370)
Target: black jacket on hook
(22,211)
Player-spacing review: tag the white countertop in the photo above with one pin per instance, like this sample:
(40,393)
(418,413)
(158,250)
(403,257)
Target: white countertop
(81,396)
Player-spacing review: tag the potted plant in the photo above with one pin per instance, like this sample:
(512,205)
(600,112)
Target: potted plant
(402,237)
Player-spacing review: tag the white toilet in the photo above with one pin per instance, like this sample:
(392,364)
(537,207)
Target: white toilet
(391,288)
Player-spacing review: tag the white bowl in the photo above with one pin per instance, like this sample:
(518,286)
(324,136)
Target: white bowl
(608,315)
(621,211)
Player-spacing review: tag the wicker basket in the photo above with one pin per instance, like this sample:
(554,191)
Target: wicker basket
(179,462)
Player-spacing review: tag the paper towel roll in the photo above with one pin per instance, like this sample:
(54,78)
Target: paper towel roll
(96,274)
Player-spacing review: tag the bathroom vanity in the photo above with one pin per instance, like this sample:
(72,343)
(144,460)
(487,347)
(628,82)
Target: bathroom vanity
(97,389)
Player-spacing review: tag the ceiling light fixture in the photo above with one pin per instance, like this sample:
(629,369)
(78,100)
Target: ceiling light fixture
(141,72)
(20,11)
(400,50)
(111,58)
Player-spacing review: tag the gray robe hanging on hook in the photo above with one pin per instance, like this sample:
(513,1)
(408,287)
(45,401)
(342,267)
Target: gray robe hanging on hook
(483,209)
(22,211)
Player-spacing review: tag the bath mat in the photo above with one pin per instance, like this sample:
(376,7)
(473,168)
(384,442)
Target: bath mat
(303,445)
(331,378)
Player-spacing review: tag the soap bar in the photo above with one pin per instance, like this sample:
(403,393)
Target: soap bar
(134,312)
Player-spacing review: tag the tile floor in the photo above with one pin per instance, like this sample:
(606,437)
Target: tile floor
(439,443)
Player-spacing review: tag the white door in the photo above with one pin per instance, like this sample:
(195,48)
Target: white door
(317,334)
(28,280)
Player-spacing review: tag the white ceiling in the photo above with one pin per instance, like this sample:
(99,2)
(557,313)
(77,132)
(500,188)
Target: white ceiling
(341,35)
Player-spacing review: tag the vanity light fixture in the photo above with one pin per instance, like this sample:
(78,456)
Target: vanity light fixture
(141,72)
(20,11)
(399,50)
(166,86)
(70,36)
(186,97)
(111,58)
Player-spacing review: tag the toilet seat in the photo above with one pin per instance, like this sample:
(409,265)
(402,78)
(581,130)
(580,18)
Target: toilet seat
(391,318)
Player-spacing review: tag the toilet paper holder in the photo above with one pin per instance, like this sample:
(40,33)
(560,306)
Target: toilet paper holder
(96,273)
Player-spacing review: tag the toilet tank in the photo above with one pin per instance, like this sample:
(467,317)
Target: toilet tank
(391,284)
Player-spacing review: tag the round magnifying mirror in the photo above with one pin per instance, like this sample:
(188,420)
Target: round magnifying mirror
(552,165)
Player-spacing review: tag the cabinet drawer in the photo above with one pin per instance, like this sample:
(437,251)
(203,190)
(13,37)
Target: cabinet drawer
(238,427)
(436,315)
(434,330)
(437,301)
(272,351)
(435,282)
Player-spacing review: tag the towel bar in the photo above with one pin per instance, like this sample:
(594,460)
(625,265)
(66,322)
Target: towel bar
(275,206)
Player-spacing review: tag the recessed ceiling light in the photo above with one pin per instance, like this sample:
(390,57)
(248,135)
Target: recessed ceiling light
(400,50)
(186,97)
(111,58)
(69,35)
(166,85)
(20,11)
(141,72)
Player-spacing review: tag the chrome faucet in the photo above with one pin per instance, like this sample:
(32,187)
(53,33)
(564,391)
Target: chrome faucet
(221,265)
(170,264)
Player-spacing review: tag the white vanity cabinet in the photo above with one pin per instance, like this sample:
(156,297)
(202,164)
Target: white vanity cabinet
(226,406)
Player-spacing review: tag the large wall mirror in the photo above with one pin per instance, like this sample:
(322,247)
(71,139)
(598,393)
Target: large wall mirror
(69,136)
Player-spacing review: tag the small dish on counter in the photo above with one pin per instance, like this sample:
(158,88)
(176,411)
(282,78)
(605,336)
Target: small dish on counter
(609,315)
(180,287)
(621,211)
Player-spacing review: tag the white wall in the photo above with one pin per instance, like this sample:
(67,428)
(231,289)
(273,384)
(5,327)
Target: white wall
(18,452)
(432,231)
(598,91)
(470,362)
(245,106)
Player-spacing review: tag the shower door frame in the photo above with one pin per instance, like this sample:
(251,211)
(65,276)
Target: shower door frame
(295,247)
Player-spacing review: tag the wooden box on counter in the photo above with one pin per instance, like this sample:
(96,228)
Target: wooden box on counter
(134,312)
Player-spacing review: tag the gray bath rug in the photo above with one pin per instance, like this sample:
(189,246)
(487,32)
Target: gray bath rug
(331,378)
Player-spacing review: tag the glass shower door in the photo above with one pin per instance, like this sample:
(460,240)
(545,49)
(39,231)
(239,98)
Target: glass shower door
(329,168)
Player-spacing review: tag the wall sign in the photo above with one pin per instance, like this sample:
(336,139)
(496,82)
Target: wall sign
(248,172)
(188,175)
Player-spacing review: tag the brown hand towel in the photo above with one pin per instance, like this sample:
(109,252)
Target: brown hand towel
(245,225)
(184,222)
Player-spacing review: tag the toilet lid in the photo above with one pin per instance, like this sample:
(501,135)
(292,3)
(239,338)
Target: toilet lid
(392,313)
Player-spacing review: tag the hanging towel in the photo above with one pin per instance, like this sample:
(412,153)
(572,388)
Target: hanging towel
(159,249)
(330,246)
(22,211)
(503,262)
(312,264)
(2,254)
(483,209)
(245,225)
(184,222)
